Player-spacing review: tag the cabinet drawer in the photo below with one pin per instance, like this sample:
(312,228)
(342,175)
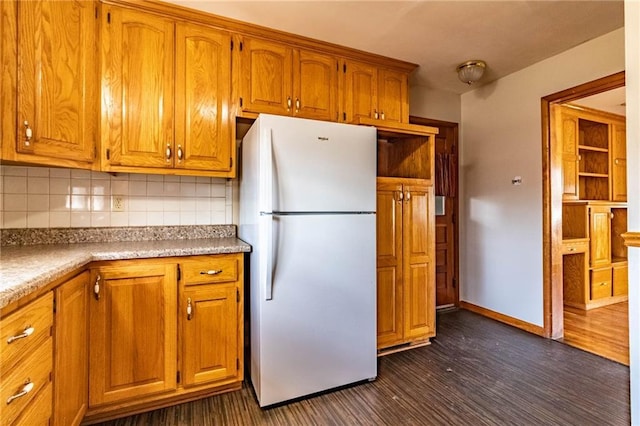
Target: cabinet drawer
(39,412)
(33,321)
(620,280)
(36,368)
(210,269)
(572,247)
(600,283)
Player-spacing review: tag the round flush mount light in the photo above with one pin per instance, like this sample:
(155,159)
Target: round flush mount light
(471,71)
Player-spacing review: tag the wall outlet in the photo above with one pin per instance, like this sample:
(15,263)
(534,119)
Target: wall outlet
(117,203)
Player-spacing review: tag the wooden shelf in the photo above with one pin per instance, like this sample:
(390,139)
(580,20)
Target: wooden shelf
(592,148)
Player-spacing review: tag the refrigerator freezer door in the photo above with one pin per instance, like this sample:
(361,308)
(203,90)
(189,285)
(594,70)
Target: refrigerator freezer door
(318,166)
(318,331)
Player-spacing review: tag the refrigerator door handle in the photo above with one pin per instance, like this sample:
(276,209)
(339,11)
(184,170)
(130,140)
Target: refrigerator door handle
(267,171)
(268,290)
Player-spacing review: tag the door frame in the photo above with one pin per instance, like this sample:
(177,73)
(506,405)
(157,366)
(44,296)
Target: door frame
(456,252)
(552,200)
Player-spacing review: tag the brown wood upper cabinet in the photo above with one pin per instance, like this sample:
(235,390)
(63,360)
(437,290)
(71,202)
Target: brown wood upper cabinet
(166,92)
(374,93)
(277,79)
(56,119)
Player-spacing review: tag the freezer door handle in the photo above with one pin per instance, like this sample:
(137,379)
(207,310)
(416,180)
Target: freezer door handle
(266,170)
(268,290)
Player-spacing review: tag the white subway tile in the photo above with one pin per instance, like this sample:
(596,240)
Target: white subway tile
(38,172)
(218,218)
(203,217)
(15,219)
(60,186)
(203,179)
(100,187)
(171,204)
(218,204)
(100,219)
(137,177)
(155,218)
(14,171)
(81,174)
(59,173)
(188,204)
(137,219)
(171,218)
(137,187)
(120,187)
(80,186)
(119,219)
(38,219)
(37,185)
(155,204)
(188,179)
(188,218)
(80,219)
(37,203)
(203,190)
(60,219)
(100,203)
(80,203)
(218,190)
(187,189)
(100,176)
(137,204)
(15,203)
(155,189)
(15,184)
(155,178)
(171,189)
(171,178)
(59,203)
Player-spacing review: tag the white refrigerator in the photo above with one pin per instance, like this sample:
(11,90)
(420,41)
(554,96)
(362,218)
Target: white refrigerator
(307,206)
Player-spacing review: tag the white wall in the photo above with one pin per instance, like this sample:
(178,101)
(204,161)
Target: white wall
(42,197)
(434,104)
(501,137)
(632,38)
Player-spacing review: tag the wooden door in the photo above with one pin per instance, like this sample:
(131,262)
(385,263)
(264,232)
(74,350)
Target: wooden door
(57,79)
(315,85)
(266,77)
(600,236)
(393,100)
(618,162)
(138,77)
(203,93)
(209,318)
(418,249)
(389,263)
(133,332)
(71,353)
(567,129)
(360,91)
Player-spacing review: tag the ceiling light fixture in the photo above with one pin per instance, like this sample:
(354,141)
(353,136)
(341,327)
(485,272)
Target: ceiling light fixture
(471,71)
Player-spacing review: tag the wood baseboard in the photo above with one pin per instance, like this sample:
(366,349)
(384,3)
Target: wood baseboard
(514,322)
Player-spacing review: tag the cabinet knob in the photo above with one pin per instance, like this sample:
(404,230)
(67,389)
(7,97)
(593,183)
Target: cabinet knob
(400,196)
(168,153)
(189,309)
(28,133)
(28,387)
(616,161)
(26,333)
(180,153)
(407,196)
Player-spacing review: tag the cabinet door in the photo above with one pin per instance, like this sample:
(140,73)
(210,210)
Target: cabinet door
(389,264)
(315,83)
(57,79)
(266,77)
(618,162)
(203,92)
(360,91)
(393,100)
(600,235)
(209,317)
(71,354)
(418,250)
(138,60)
(133,332)
(567,129)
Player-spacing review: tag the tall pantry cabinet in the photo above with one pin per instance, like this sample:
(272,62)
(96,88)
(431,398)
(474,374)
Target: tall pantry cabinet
(405,242)
(594,211)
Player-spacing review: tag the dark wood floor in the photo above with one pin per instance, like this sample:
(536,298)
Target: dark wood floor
(603,331)
(476,372)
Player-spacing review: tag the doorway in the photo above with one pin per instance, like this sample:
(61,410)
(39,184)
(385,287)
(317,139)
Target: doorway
(446,190)
(598,323)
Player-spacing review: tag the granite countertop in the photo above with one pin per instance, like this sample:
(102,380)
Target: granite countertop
(27,268)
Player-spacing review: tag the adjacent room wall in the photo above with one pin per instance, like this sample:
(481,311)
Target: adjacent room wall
(632,37)
(501,224)
(434,104)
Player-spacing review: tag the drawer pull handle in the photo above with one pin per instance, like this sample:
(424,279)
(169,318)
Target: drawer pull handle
(189,309)
(96,288)
(211,272)
(28,387)
(26,333)
(572,249)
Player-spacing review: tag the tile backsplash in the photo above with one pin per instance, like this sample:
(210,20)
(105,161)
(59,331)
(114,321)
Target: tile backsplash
(41,197)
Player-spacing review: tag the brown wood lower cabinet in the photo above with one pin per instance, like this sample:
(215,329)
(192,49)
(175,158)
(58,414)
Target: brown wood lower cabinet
(163,331)
(405,267)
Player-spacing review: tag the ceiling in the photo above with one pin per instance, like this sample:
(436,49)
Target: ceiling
(611,101)
(438,35)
